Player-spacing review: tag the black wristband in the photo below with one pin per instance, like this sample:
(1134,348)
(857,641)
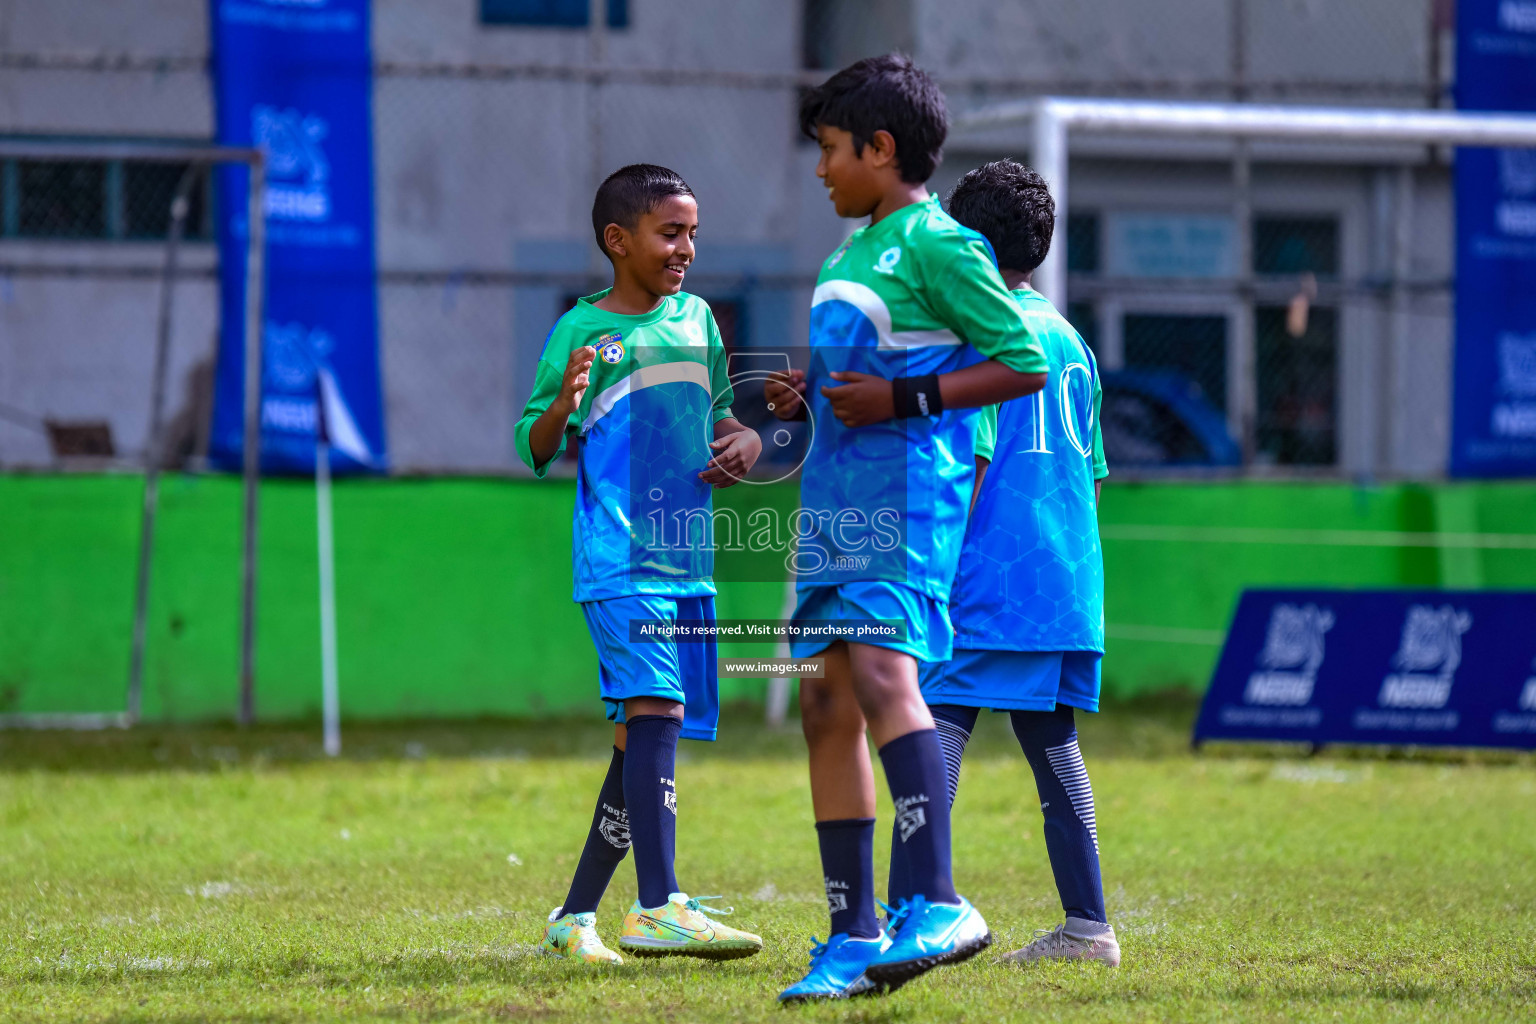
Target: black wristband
(917,396)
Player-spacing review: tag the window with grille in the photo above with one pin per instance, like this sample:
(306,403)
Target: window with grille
(98,200)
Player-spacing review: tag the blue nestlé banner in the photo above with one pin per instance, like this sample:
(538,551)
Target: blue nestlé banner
(1494,420)
(293,77)
(1436,667)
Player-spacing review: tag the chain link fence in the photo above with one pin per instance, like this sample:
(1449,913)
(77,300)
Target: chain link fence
(83,268)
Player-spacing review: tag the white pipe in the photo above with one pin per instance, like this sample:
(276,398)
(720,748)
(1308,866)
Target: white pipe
(1250,120)
(329,689)
(1048,152)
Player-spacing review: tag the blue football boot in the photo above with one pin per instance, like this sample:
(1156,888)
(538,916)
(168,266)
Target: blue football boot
(928,935)
(837,969)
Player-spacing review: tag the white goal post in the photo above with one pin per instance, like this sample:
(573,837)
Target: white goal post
(203,158)
(1052,119)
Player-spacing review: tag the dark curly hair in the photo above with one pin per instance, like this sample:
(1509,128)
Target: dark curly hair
(1011,206)
(889,93)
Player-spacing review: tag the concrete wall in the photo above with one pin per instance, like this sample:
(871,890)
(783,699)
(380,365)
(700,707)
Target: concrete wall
(175,100)
(1322,51)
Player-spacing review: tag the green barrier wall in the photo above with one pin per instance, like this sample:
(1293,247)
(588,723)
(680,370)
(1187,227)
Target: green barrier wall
(454,595)
(1168,600)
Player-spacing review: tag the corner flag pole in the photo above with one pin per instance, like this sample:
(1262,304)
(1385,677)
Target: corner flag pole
(328,670)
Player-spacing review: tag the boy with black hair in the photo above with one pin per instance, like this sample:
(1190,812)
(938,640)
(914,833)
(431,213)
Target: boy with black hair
(636,375)
(911,330)
(1028,600)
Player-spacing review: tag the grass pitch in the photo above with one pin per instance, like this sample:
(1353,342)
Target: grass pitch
(210,874)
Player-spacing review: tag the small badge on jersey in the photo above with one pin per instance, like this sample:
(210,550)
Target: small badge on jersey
(610,347)
(693,332)
(837,257)
(886,264)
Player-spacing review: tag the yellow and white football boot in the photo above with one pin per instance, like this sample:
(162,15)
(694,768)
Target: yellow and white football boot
(684,927)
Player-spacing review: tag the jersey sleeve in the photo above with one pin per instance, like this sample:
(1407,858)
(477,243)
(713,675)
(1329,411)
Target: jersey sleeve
(546,388)
(1100,464)
(719,374)
(986,433)
(967,294)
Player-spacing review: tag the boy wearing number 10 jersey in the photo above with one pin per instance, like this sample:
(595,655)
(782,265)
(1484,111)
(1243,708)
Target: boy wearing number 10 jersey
(1028,599)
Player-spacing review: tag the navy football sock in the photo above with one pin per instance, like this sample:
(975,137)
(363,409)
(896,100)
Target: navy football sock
(1049,739)
(848,871)
(650,796)
(914,769)
(954,724)
(607,843)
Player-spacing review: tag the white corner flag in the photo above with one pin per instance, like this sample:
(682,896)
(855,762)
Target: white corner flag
(336,425)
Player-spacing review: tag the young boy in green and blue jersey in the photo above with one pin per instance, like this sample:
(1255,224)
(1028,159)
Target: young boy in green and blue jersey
(636,377)
(912,331)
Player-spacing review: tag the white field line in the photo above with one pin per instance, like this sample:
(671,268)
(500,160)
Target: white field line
(1321,538)
(47,720)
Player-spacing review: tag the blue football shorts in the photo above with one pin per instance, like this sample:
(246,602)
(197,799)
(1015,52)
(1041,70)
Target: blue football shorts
(929,633)
(1014,680)
(680,670)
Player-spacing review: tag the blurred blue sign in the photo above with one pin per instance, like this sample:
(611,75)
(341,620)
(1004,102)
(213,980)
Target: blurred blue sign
(1170,245)
(1494,419)
(1432,667)
(294,78)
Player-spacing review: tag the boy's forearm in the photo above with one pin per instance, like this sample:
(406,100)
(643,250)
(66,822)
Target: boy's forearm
(728,426)
(544,435)
(986,383)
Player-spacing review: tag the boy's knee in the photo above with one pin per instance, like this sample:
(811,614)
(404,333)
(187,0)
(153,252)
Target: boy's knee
(889,693)
(1037,731)
(826,711)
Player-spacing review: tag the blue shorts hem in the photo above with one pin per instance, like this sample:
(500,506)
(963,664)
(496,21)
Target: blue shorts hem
(927,618)
(706,733)
(934,699)
(894,645)
(990,703)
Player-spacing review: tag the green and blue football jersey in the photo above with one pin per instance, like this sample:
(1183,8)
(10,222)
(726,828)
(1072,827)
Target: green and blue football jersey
(914,294)
(1031,571)
(656,390)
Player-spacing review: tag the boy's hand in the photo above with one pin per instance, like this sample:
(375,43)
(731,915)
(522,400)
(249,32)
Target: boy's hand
(574,384)
(785,392)
(862,399)
(734,456)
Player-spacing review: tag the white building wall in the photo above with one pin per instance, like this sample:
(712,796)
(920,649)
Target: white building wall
(1300,48)
(480,170)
